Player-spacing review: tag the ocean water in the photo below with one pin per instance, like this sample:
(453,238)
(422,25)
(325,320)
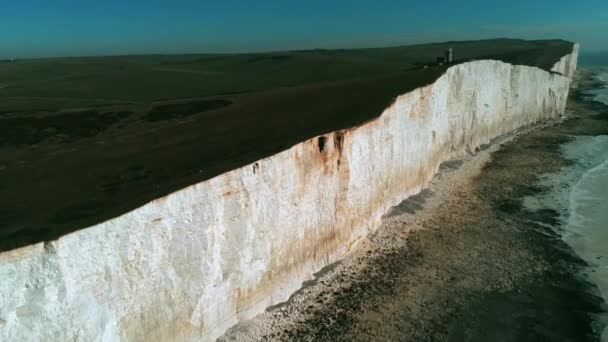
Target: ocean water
(585,216)
(579,194)
(601,95)
(586,204)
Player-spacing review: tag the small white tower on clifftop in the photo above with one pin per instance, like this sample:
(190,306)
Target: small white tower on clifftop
(449,56)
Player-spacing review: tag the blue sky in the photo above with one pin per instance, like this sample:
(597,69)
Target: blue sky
(38,28)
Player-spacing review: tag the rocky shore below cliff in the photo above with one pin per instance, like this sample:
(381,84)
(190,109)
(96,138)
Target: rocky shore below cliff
(462,261)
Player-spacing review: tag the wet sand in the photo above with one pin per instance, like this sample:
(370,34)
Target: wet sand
(462,261)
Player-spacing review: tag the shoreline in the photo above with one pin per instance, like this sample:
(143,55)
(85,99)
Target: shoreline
(568,192)
(463,261)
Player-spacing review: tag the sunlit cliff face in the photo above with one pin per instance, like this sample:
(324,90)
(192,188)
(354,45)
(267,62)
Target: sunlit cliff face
(192,264)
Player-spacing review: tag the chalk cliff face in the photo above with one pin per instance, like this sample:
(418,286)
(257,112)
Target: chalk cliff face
(190,265)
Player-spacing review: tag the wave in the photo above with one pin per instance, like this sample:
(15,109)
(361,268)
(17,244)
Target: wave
(579,193)
(587,227)
(601,94)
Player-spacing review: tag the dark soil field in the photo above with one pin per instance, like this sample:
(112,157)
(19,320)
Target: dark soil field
(86,139)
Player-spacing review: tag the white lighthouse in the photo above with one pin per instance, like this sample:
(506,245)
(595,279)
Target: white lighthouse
(449,56)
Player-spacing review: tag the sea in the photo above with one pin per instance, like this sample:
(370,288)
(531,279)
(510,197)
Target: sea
(579,194)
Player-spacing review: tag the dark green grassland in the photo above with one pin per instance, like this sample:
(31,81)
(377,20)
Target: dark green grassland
(83,140)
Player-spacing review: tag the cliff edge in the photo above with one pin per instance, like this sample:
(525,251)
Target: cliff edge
(190,265)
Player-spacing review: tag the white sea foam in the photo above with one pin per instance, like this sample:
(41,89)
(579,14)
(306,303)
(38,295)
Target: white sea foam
(587,229)
(601,95)
(580,194)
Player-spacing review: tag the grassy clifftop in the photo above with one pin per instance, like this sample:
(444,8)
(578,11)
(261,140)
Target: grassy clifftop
(83,140)
(52,84)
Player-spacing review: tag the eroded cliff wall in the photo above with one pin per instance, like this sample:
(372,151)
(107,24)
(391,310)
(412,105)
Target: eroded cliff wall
(190,265)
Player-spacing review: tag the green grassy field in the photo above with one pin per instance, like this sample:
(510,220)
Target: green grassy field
(53,84)
(86,139)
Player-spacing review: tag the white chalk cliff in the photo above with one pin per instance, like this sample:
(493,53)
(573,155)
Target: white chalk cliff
(190,265)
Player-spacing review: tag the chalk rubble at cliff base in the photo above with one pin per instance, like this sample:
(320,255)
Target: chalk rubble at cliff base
(192,264)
